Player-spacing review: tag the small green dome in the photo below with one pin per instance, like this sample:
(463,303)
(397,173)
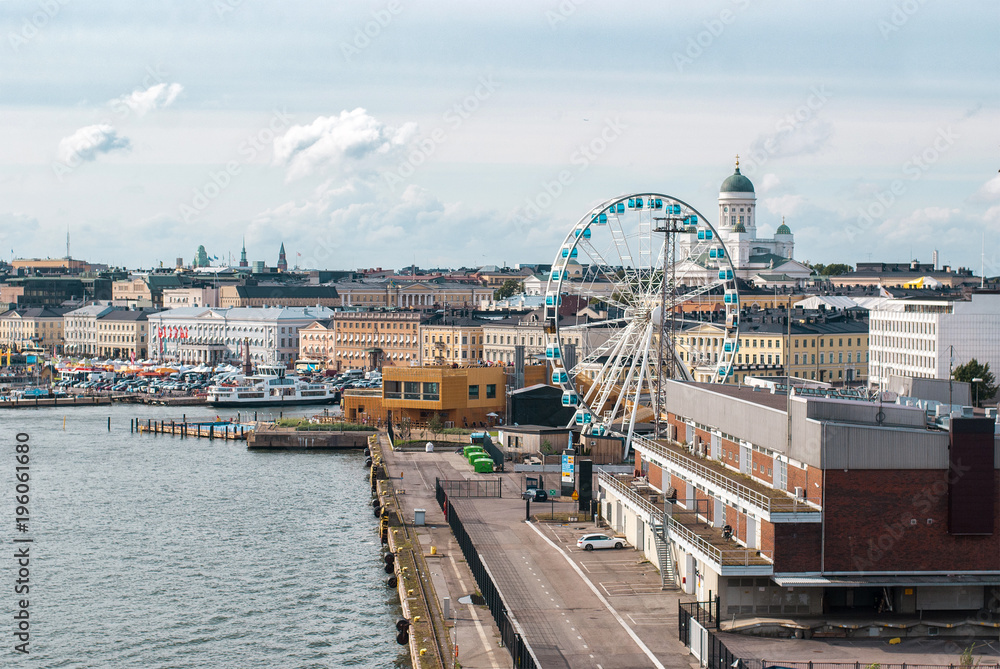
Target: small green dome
(737,183)
(739,227)
(783,230)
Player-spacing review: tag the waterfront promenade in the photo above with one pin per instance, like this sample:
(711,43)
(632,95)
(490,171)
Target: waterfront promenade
(601,609)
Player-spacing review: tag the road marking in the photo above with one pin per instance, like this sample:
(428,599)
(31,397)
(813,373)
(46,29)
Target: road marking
(472,611)
(607,604)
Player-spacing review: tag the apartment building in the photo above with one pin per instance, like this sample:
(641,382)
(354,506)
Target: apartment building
(452,340)
(820,346)
(924,338)
(80,329)
(363,340)
(32,328)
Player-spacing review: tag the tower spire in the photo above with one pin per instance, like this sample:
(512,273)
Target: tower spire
(243,254)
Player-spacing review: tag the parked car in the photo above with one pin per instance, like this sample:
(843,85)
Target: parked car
(589,542)
(535,495)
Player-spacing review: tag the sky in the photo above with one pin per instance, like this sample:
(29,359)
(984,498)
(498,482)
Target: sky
(452,134)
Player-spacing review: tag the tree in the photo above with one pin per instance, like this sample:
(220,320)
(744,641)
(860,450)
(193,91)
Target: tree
(509,287)
(435,424)
(981,390)
(833,269)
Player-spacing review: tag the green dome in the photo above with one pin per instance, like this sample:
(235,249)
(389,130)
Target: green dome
(783,230)
(737,183)
(739,227)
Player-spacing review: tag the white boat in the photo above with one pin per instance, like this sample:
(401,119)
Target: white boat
(269,386)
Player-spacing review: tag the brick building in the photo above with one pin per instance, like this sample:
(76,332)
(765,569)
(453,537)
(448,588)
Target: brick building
(841,507)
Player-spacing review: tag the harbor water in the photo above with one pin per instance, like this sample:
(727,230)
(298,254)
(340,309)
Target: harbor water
(156,551)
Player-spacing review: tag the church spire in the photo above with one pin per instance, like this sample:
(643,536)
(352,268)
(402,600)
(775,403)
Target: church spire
(282,262)
(243,254)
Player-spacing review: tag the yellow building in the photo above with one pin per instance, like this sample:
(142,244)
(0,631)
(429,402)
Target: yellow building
(363,340)
(460,397)
(30,329)
(456,341)
(818,348)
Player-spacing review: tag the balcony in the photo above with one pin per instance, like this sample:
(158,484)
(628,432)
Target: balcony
(735,489)
(691,533)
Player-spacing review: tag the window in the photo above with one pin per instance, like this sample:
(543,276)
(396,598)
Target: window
(411,390)
(473,392)
(491,391)
(431,391)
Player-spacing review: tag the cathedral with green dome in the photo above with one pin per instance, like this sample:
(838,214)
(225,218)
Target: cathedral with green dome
(765,261)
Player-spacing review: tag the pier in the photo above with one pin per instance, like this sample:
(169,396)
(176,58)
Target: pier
(208,429)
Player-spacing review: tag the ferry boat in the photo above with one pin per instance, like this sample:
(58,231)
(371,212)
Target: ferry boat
(269,386)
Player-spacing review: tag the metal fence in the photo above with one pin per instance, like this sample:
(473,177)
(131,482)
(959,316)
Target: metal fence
(510,631)
(471,487)
(715,655)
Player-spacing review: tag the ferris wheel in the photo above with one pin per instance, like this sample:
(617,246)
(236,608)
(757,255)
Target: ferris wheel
(619,298)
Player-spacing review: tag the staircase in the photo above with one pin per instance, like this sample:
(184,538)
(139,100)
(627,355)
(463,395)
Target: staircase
(668,579)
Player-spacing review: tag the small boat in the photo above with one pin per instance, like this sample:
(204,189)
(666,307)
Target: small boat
(270,385)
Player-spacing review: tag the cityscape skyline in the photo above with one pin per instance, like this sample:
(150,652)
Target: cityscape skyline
(385,136)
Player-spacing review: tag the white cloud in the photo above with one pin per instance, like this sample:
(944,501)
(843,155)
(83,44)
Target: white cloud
(156,96)
(989,191)
(89,142)
(339,143)
(793,140)
(784,205)
(929,224)
(768,182)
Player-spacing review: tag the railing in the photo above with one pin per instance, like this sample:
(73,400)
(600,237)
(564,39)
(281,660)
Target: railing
(714,654)
(644,505)
(741,557)
(782,504)
(471,487)
(510,631)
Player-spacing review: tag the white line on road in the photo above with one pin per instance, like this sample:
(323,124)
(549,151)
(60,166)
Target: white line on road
(607,604)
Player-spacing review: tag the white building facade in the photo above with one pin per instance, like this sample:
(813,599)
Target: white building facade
(928,338)
(213,336)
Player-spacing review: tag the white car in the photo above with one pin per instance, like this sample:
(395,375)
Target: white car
(589,542)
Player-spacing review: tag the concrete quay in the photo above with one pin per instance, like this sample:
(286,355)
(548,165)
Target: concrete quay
(600,609)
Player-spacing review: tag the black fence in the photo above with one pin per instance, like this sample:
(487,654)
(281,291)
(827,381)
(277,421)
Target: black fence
(715,655)
(512,640)
(471,487)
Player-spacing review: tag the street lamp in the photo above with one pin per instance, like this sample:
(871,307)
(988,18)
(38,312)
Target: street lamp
(976,390)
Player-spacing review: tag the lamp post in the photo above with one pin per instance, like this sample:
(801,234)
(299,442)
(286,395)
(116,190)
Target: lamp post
(975,390)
